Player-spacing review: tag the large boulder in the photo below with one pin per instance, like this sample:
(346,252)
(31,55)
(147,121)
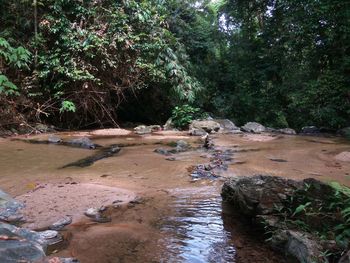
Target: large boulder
(266,200)
(253,127)
(20,245)
(228,126)
(206,125)
(258,195)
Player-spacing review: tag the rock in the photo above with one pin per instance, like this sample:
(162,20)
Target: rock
(96,215)
(206,125)
(287,131)
(43,128)
(61,260)
(269,129)
(257,195)
(304,247)
(228,126)
(345,258)
(142,129)
(197,132)
(9,208)
(83,142)
(253,127)
(54,139)
(20,245)
(310,130)
(61,223)
(344,132)
(182,146)
(168,126)
(162,151)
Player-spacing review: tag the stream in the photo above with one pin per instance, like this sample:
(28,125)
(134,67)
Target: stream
(158,212)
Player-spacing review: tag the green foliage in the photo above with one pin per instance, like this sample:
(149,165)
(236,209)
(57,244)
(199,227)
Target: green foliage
(183,115)
(67,106)
(326,216)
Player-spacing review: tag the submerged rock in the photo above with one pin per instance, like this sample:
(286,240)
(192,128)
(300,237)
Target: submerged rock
(208,126)
(83,142)
(253,127)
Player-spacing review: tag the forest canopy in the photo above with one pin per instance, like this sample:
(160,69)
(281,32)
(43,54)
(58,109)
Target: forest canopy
(78,64)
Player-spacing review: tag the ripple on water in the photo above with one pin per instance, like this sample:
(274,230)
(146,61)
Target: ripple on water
(196,233)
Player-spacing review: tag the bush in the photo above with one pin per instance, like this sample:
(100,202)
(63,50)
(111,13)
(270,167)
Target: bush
(183,115)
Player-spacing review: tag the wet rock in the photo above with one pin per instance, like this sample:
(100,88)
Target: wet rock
(102,154)
(206,125)
(54,139)
(278,160)
(310,130)
(96,215)
(83,142)
(162,151)
(20,245)
(197,132)
(345,258)
(228,126)
(9,208)
(258,195)
(61,223)
(51,237)
(61,260)
(287,131)
(253,127)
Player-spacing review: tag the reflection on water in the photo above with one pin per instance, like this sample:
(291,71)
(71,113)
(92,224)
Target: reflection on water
(196,232)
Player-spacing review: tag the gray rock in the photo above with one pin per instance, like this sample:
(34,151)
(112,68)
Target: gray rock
(304,247)
(143,129)
(182,146)
(310,130)
(258,195)
(83,142)
(61,223)
(228,126)
(206,125)
(9,208)
(61,260)
(253,127)
(345,258)
(287,131)
(20,245)
(168,126)
(54,139)
(197,132)
(92,212)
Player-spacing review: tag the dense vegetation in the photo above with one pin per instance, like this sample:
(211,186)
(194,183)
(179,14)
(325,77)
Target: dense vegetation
(90,63)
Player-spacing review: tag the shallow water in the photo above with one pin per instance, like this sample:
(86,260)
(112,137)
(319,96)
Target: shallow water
(179,219)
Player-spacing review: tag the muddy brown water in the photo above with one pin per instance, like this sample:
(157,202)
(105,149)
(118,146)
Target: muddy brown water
(176,218)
